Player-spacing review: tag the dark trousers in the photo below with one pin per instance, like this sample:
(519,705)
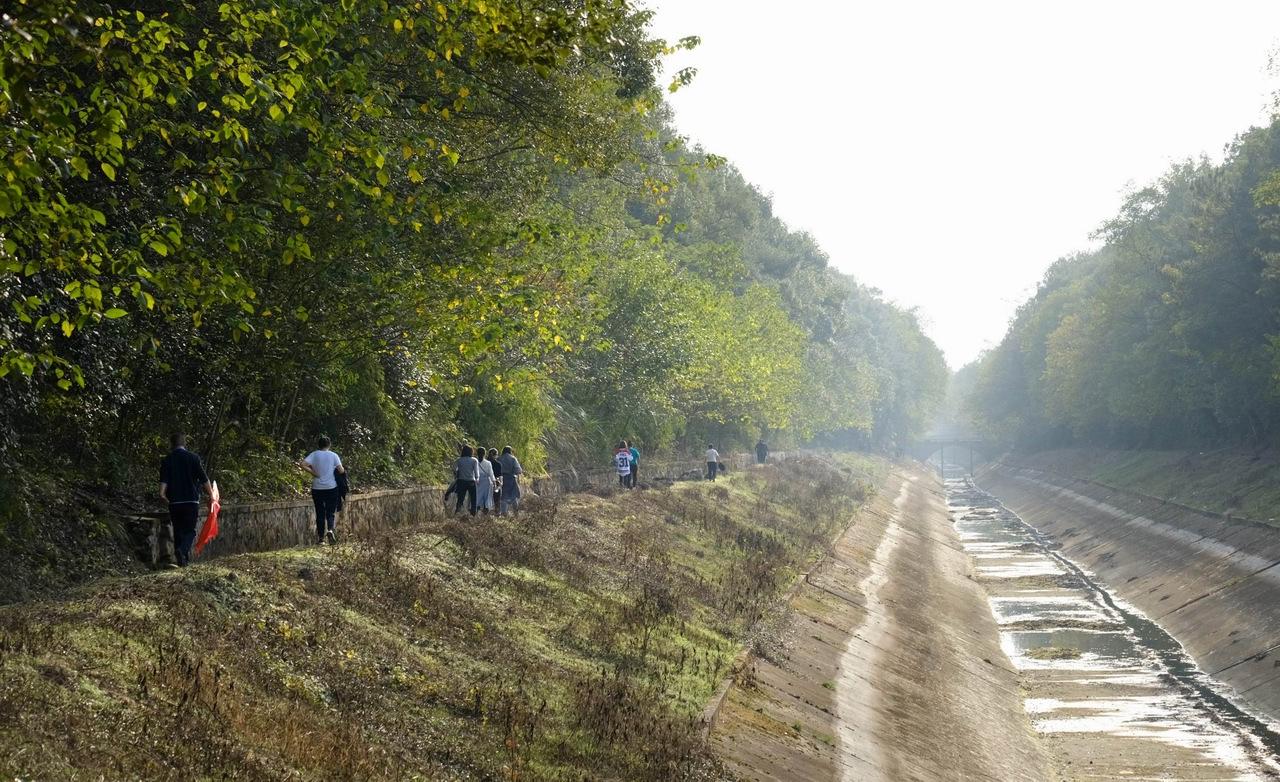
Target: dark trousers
(183,519)
(712,469)
(326,501)
(624,480)
(467,490)
(510,494)
(634,476)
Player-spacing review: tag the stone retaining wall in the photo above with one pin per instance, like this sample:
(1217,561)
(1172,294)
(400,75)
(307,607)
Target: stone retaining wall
(264,526)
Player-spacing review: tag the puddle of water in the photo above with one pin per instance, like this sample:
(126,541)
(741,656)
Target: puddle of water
(1111,645)
(1142,679)
(1048,608)
(1142,718)
(1021,567)
(1127,678)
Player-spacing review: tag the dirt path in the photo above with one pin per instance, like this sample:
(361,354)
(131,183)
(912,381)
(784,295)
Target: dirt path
(894,670)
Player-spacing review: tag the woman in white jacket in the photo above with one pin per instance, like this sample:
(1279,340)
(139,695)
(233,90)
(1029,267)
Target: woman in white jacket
(484,486)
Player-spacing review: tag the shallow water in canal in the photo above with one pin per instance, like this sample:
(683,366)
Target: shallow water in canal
(1112,694)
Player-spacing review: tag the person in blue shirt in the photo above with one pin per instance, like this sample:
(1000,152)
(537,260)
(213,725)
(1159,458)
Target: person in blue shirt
(182,477)
(511,472)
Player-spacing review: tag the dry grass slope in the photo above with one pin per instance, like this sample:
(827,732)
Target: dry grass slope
(579,641)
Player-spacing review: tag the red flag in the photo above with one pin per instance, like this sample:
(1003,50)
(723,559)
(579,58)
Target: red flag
(210,529)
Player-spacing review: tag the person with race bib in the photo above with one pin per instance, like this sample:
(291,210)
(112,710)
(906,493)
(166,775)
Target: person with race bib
(622,462)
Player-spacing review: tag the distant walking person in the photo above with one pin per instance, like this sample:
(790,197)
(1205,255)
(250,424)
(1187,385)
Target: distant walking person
(182,476)
(484,487)
(713,462)
(466,473)
(622,463)
(325,466)
(635,464)
(511,472)
(762,451)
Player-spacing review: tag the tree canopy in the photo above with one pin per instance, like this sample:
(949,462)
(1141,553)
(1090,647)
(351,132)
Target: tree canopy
(403,224)
(1166,336)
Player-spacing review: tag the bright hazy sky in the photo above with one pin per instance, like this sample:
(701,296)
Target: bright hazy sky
(948,152)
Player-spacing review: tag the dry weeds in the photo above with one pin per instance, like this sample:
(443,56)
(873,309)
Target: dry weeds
(578,640)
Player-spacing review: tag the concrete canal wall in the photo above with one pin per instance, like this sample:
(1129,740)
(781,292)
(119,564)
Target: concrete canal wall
(892,668)
(1211,581)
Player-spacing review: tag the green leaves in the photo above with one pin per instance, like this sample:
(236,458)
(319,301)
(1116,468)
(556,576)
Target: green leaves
(1166,333)
(404,223)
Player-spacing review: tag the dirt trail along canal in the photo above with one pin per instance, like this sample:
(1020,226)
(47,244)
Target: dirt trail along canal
(1109,692)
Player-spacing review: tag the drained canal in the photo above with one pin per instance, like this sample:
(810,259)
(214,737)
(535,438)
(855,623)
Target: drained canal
(1109,691)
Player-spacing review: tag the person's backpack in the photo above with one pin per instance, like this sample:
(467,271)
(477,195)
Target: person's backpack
(722,467)
(344,487)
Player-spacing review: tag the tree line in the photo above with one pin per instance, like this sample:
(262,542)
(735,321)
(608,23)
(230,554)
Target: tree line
(404,224)
(1168,335)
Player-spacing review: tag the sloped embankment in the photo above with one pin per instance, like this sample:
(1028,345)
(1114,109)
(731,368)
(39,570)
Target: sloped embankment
(579,641)
(1211,582)
(891,666)
(1242,483)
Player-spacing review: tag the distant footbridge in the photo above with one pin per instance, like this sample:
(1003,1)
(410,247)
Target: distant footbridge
(960,451)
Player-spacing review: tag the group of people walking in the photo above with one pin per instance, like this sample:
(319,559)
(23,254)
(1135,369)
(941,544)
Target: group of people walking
(483,480)
(486,481)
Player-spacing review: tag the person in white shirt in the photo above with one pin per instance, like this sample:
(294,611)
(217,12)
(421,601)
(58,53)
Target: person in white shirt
(622,461)
(713,462)
(484,486)
(324,466)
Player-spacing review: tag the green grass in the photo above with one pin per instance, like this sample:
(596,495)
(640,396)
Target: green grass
(580,641)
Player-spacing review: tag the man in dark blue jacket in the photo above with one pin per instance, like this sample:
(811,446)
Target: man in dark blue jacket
(182,477)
